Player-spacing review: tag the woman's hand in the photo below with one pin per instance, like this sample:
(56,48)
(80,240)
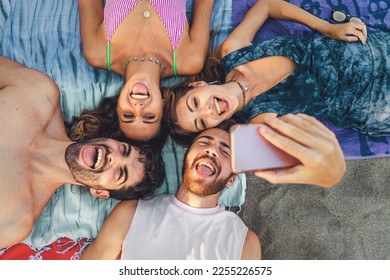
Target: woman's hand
(349,32)
(313,144)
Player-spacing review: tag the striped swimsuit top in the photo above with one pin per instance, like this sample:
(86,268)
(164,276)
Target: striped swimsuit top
(172,15)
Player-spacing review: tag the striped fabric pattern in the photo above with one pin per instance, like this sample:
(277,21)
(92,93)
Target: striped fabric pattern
(115,12)
(171,13)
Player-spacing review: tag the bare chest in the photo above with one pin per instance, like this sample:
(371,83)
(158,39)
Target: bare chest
(17,211)
(22,200)
(15,176)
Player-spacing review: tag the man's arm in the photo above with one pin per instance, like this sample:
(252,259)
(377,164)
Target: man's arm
(92,35)
(254,19)
(108,244)
(252,247)
(313,144)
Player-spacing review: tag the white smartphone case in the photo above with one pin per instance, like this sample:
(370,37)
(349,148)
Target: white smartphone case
(251,152)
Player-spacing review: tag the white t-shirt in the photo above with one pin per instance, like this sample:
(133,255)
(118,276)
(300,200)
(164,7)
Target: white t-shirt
(165,228)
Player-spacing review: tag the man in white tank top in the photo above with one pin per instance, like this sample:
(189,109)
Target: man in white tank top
(188,225)
(191,224)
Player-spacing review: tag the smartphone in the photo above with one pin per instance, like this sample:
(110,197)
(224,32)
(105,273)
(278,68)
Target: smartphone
(251,152)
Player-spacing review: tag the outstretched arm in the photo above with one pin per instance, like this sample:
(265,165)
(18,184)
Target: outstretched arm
(313,144)
(92,35)
(108,244)
(244,33)
(200,32)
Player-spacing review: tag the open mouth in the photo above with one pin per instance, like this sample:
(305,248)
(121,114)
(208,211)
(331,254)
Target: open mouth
(205,168)
(139,96)
(98,158)
(139,92)
(221,106)
(93,156)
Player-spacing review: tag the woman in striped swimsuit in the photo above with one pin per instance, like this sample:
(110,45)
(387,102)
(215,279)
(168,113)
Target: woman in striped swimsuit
(144,41)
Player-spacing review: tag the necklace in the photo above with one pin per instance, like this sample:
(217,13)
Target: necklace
(146,14)
(244,89)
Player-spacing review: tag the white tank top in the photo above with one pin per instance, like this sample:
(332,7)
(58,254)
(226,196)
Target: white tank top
(165,228)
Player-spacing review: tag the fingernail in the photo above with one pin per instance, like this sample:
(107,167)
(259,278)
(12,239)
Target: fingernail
(263,129)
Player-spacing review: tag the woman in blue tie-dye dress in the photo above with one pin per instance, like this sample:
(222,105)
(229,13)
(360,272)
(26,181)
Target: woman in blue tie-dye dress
(346,83)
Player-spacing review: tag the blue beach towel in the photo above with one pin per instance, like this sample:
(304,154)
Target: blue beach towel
(44,35)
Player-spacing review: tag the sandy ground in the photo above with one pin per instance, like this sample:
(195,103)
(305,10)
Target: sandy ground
(348,221)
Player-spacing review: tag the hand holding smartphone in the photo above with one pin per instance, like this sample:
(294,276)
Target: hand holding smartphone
(251,152)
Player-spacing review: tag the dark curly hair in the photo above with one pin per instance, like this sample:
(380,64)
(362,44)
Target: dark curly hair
(154,177)
(211,73)
(103,122)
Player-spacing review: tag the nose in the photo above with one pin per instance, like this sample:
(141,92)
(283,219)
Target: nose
(114,158)
(136,107)
(208,109)
(137,103)
(111,159)
(211,151)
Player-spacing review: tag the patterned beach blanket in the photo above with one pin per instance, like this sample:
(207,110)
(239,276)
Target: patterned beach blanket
(44,35)
(375,14)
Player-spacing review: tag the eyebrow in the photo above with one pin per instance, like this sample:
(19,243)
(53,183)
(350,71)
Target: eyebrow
(206,136)
(150,122)
(189,108)
(223,143)
(188,105)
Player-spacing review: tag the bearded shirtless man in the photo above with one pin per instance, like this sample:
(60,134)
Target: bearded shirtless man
(37,157)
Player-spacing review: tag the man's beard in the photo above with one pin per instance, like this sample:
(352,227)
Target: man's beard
(82,175)
(199,186)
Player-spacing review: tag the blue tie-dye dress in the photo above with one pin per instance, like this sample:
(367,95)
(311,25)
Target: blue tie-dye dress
(346,83)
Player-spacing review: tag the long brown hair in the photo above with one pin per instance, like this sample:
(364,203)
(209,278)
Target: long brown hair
(103,122)
(212,73)
(99,122)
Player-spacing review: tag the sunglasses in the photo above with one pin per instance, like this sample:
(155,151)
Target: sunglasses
(340,16)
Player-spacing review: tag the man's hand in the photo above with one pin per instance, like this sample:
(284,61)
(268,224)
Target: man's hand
(313,144)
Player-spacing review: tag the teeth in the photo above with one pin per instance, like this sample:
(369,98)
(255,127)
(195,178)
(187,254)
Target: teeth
(216,104)
(139,96)
(208,165)
(99,158)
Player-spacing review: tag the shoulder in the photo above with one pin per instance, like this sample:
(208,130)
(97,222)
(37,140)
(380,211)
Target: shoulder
(29,82)
(232,44)
(14,73)
(125,206)
(252,247)
(161,201)
(122,215)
